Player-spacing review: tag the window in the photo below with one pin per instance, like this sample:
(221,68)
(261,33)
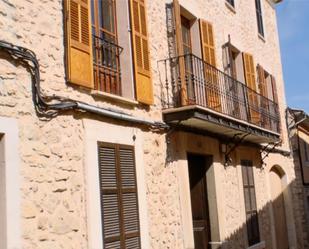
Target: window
(231,2)
(259,17)
(253,232)
(106,52)
(119,203)
(96,53)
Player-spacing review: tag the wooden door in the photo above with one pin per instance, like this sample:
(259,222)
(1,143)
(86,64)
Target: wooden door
(198,166)
(278,210)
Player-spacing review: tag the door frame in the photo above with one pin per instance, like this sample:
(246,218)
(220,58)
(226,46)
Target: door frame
(289,214)
(209,161)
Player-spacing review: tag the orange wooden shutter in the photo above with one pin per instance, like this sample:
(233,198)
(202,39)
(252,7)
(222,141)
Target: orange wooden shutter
(262,81)
(274,87)
(250,82)
(79,43)
(144,91)
(207,40)
(209,56)
(264,101)
(180,52)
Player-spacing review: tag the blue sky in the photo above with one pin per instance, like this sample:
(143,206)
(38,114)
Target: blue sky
(293,24)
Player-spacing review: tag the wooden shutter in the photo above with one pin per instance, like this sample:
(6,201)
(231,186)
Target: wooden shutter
(253,100)
(207,42)
(209,56)
(265,104)
(250,202)
(144,91)
(180,52)
(274,87)
(119,200)
(262,81)
(79,43)
(275,98)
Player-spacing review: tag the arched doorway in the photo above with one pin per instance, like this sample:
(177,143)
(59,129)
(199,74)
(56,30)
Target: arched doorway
(276,176)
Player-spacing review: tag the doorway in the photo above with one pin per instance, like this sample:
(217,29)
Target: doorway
(279,209)
(198,166)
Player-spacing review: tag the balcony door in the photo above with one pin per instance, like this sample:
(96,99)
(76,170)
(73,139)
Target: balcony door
(105,49)
(198,166)
(187,51)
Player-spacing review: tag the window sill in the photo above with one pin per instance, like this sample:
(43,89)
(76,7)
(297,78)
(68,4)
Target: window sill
(114,97)
(260,245)
(261,37)
(230,7)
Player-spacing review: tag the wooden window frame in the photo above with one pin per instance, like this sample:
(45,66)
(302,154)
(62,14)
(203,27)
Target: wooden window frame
(259,17)
(247,168)
(106,78)
(185,22)
(120,190)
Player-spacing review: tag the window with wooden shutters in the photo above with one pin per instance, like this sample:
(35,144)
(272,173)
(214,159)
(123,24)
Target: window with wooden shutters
(119,201)
(253,100)
(78,43)
(259,17)
(252,222)
(144,91)
(209,56)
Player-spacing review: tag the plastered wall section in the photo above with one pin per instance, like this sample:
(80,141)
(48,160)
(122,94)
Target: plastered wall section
(51,150)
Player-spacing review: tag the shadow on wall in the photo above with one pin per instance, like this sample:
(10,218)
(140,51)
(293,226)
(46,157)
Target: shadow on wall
(272,226)
(278,224)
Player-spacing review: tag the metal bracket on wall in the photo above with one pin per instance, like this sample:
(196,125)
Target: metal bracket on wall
(168,140)
(268,151)
(236,140)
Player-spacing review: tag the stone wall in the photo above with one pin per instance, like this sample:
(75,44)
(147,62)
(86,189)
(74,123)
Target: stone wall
(51,150)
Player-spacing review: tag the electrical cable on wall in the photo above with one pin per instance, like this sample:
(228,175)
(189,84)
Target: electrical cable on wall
(51,105)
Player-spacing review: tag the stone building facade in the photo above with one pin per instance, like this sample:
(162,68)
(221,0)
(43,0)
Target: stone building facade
(53,151)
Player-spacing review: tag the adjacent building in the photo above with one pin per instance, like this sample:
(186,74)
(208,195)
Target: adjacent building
(145,124)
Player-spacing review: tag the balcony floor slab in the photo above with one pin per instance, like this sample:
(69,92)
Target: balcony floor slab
(197,118)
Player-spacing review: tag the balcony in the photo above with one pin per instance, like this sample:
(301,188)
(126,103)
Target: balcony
(196,95)
(106,66)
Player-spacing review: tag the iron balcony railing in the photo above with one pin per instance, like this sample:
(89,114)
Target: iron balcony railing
(106,66)
(189,80)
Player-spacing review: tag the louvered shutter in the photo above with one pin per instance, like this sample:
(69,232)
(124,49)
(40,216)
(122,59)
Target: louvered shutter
(207,40)
(274,87)
(180,52)
(209,56)
(250,202)
(251,92)
(120,218)
(129,197)
(265,99)
(79,43)
(277,125)
(144,90)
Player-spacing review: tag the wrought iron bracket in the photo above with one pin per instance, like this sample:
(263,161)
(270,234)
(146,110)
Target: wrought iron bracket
(168,140)
(236,140)
(268,151)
